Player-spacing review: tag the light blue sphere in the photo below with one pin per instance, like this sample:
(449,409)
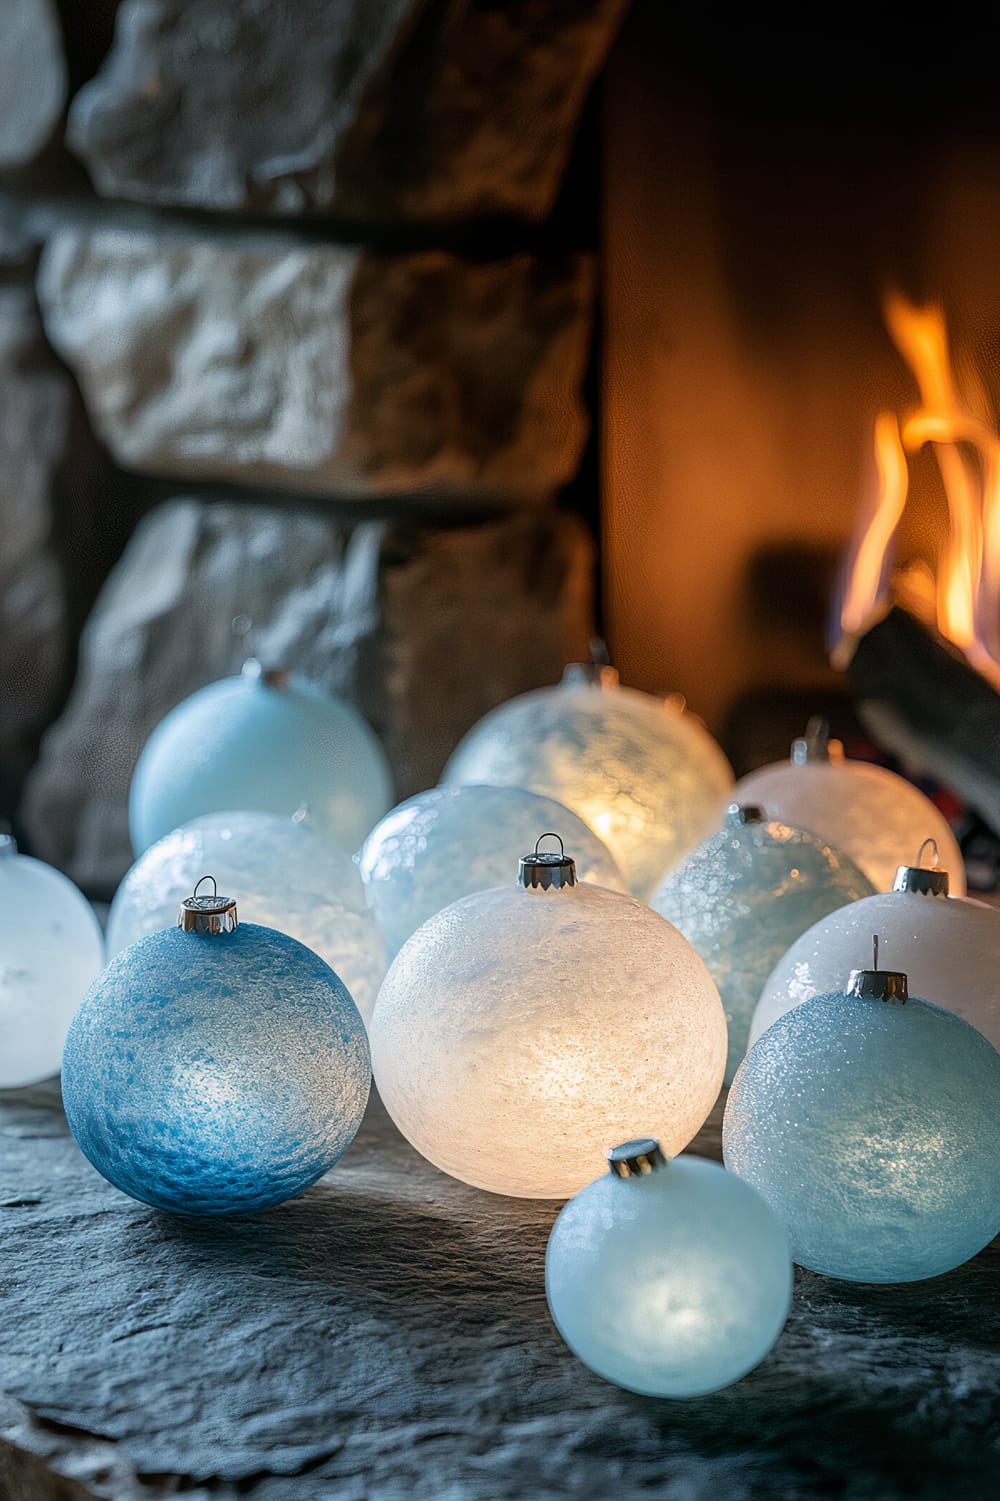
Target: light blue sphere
(744,895)
(215,1073)
(674,1283)
(449,842)
(262,745)
(872,1128)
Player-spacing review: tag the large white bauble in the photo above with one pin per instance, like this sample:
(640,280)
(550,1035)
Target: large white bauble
(451,841)
(640,770)
(288,877)
(51,948)
(520,1032)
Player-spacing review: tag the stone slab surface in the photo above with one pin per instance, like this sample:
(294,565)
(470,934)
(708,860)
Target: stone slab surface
(386,1338)
(324,369)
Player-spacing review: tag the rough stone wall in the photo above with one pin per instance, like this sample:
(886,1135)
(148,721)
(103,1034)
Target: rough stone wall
(293,324)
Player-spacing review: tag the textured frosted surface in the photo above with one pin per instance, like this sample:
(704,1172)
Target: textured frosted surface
(215,1074)
(646,776)
(877,818)
(873,1131)
(673,1285)
(238,743)
(746,893)
(518,1034)
(287,878)
(51,947)
(949,947)
(452,841)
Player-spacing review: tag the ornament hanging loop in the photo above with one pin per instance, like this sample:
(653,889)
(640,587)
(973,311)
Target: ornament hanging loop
(935,858)
(207,914)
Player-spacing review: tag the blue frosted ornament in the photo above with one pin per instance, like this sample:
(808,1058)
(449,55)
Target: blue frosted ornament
(640,770)
(672,1279)
(869,1121)
(744,895)
(215,1068)
(451,841)
(265,741)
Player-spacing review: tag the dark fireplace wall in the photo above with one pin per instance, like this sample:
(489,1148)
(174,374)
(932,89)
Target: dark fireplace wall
(297,322)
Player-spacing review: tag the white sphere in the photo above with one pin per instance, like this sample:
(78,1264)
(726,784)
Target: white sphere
(640,770)
(867,812)
(948,946)
(51,949)
(451,841)
(520,1032)
(287,877)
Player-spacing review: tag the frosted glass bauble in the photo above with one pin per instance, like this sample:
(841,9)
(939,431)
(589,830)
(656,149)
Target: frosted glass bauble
(288,878)
(215,1074)
(451,841)
(674,1282)
(872,1130)
(641,771)
(265,743)
(949,946)
(867,812)
(518,1031)
(51,947)
(743,895)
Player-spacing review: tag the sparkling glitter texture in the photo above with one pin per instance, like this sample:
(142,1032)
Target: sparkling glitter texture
(644,774)
(746,893)
(674,1284)
(288,878)
(872,1130)
(216,1074)
(242,743)
(452,841)
(867,812)
(518,1032)
(948,946)
(51,947)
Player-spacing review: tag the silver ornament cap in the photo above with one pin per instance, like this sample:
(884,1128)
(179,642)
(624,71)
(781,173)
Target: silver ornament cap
(545,870)
(636,1159)
(925,881)
(207,914)
(815,747)
(876,984)
(738,814)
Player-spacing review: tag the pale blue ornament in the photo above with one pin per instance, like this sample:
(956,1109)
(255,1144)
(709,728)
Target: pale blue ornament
(449,842)
(645,774)
(870,1123)
(672,1279)
(263,741)
(215,1071)
(744,895)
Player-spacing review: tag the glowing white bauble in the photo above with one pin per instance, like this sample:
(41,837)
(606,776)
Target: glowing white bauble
(949,947)
(451,841)
(289,878)
(673,1279)
(51,948)
(865,811)
(641,771)
(522,1029)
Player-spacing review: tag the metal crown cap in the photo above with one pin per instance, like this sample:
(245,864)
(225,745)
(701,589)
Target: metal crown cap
(815,746)
(918,878)
(741,813)
(636,1159)
(878,984)
(207,914)
(544,870)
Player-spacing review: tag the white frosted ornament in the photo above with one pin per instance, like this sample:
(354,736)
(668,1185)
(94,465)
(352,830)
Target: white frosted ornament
(289,877)
(522,1028)
(51,948)
(451,841)
(267,741)
(673,1279)
(951,944)
(640,770)
(865,811)
(744,894)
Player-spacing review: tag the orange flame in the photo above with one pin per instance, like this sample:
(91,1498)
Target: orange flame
(954,417)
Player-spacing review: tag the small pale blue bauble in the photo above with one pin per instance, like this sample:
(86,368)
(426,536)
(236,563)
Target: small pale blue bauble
(451,841)
(266,742)
(744,895)
(672,1279)
(215,1072)
(872,1128)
